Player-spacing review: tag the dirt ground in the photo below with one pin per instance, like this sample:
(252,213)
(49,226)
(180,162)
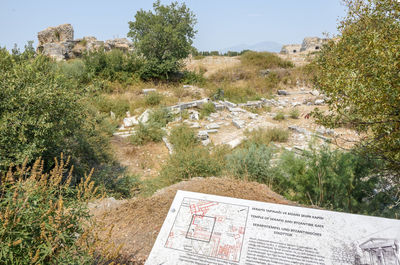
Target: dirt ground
(143,160)
(137,221)
(211,64)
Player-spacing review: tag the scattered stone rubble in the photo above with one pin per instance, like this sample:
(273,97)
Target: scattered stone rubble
(59,43)
(228,124)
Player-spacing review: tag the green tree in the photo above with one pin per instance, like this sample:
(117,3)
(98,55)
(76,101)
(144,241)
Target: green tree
(163,37)
(359,73)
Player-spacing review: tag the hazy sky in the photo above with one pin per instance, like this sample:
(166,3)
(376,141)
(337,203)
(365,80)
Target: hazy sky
(221,23)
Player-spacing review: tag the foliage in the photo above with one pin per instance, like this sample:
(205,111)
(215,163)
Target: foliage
(190,163)
(280,116)
(359,73)
(252,163)
(182,137)
(107,104)
(153,98)
(43,220)
(336,180)
(163,37)
(145,133)
(160,116)
(193,78)
(294,113)
(114,65)
(261,136)
(39,112)
(207,109)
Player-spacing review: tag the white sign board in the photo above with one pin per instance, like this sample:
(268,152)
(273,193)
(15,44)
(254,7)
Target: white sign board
(205,229)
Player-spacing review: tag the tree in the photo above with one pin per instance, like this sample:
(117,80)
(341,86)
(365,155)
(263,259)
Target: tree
(163,38)
(359,73)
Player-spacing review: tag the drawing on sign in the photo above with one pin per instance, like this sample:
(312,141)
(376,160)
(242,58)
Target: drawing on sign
(373,250)
(209,228)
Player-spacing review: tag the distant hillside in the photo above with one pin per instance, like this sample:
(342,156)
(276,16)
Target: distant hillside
(268,46)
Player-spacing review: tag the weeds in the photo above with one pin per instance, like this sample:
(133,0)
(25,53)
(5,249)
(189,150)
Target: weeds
(145,133)
(207,109)
(182,137)
(44,220)
(294,113)
(153,99)
(263,136)
(280,116)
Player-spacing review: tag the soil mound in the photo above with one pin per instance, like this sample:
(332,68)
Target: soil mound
(137,221)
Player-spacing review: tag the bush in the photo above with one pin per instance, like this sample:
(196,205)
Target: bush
(207,109)
(294,113)
(145,133)
(114,65)
(182,137)
(160,116)
(153,98)
(336,180)
(106,104)
(44,220)
(193,78)
(261,136)
(264,60)
(190,163)
(280,116)
(251,163)
(40,112)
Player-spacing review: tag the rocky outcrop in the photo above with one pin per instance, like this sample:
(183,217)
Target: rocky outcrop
(291,48)
(58,43)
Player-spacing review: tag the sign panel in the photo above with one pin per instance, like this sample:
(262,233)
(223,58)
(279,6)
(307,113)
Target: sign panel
(204,229)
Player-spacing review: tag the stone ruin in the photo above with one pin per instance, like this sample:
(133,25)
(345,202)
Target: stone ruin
(309,44)
(290,48)
(59,43)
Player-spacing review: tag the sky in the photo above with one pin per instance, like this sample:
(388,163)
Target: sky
(220,23)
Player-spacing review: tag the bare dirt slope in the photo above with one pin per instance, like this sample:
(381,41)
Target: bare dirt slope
(137,221)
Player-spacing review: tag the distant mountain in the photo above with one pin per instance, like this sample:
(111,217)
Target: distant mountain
(265,46)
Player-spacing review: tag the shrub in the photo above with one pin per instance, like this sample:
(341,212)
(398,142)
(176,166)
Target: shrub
(207,109)
(44,220)
(107,104)
(145,133)
(264,60)
(193,78)
(160,116)
(153,98)
(182,137)
(261,136)
(280,116)
(190,163)
(294,113)
(252,163)
(40,112)
(336,180)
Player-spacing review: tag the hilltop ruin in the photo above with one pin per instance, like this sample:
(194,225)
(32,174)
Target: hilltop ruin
(59,43)
(309,44)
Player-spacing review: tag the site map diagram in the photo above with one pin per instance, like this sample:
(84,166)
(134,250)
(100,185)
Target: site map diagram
(208,228)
